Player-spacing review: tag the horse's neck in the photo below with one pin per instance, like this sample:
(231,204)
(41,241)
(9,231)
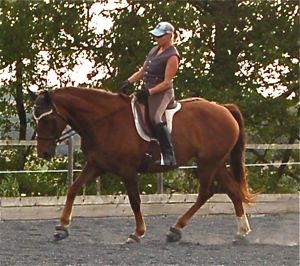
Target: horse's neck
(84,110)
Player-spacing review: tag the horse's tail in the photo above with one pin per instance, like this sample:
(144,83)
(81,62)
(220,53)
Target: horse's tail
(237,156)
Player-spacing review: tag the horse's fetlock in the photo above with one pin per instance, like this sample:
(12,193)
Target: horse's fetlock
(140,232)
(64,222)
(180,224)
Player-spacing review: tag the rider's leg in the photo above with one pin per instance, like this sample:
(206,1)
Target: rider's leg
(157,105)
(164,138)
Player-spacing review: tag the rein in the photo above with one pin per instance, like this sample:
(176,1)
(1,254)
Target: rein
(65,135)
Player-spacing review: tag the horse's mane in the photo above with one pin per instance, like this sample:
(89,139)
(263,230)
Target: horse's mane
(92,93)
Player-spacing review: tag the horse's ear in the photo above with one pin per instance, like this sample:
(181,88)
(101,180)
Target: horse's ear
(32,95)
(47,97)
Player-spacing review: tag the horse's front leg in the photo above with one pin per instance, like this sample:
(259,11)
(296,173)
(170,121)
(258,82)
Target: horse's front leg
(135,203)
(88,173)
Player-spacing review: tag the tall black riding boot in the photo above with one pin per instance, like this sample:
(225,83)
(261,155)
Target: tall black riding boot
(164,138)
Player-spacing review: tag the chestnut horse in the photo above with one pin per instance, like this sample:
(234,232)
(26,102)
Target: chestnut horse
(209,132)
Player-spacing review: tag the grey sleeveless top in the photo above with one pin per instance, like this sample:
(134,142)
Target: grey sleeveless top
(155,66)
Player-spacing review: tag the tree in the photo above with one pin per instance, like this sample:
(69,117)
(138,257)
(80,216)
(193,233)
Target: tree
(36,37)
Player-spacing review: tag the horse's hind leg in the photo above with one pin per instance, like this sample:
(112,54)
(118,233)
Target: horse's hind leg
(88,173)
(233,190)
(206,176)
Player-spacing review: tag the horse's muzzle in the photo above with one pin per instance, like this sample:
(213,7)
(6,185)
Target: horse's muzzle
(46,156)
(46,153)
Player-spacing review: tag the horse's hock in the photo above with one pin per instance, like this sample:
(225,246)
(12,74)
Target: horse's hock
(154,204)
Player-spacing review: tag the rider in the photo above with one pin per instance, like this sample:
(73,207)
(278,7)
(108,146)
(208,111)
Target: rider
(157,73)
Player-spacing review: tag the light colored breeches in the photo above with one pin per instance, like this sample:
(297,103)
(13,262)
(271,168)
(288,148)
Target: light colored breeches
(158,104)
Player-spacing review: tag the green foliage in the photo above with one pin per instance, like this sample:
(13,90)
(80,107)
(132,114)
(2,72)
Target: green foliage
(181,181)
(32,183)
(45,183)
(9,187)
(266,178)
(260,178)
(36,37)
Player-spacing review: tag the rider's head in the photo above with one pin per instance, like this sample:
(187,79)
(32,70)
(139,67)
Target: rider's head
(163,29)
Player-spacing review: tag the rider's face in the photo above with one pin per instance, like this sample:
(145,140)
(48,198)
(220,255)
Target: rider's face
(163,40)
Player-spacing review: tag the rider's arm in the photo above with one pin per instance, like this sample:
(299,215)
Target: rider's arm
(170,72)
(137,76)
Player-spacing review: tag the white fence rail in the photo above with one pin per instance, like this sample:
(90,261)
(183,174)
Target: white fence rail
(248,146)
(72,143)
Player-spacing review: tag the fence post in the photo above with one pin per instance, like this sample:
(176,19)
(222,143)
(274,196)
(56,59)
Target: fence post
(160,183)
(98,185)
(70,161)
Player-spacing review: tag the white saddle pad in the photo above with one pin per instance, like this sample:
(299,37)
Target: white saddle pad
(169,113)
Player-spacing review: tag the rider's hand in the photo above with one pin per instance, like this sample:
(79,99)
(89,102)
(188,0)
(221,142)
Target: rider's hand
(142,95)
(124,86)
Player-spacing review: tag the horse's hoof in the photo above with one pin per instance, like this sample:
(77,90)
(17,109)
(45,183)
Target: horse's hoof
(174,235)
(132,239)
(240,240)
(60,233)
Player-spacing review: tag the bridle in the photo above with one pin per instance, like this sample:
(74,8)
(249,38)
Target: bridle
(53,110)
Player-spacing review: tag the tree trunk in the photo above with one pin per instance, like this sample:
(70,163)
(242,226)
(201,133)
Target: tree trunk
(273,183)
(19,98)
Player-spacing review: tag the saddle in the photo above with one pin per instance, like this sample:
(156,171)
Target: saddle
(141,118)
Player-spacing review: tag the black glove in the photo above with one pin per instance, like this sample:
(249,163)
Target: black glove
(142,95)
(124,86)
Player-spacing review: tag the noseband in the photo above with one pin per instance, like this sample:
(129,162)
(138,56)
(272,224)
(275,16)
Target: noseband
(44,111)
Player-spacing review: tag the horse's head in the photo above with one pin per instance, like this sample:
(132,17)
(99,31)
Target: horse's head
(49,125)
